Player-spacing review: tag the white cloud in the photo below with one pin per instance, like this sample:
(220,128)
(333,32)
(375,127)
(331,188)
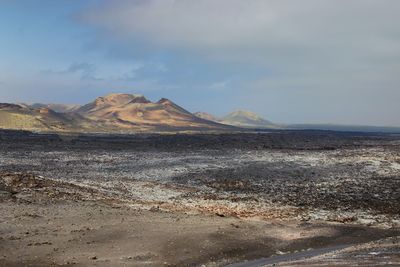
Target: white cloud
(268,31)
(293,38)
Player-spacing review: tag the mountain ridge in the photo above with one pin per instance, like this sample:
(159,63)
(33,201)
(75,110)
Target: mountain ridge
(111,113)
(240,118)
(243,118)
(60,108)
(131,113)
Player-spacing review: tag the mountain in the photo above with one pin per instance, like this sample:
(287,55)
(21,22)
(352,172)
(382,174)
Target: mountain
(112,113)
(127,113)
(206,116)
(246,119)
(14,116)
(60,108)
(240,118)
(135,112)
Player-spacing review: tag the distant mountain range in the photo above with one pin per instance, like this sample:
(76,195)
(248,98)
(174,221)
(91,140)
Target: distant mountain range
(240,118)
(61,108)
(128,113)
(112,113)
(250,120)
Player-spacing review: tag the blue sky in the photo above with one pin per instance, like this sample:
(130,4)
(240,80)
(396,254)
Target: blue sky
(310,61)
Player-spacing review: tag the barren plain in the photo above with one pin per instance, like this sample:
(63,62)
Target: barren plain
(200,199)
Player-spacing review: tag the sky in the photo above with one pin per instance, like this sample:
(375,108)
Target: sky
(291,61)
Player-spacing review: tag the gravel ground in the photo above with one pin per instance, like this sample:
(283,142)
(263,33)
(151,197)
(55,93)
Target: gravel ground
(289,178)
(340,177)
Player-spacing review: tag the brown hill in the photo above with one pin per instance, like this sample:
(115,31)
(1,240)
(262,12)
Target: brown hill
(42,119)
(112,113)
(135,112)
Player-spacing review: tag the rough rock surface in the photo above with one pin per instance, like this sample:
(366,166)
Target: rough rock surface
(195,199)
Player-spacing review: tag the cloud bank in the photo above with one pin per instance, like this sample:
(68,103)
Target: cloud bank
(273,32)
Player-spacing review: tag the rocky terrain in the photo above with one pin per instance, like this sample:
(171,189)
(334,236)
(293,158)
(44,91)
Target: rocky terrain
(212,199)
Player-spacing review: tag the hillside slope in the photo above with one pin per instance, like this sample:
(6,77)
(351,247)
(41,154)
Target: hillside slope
(42,119)
(245,119)
(60,108)
(206,116)
(114,113)
(135,112)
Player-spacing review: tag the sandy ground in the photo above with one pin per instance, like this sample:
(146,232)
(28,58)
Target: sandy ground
(98,234)
(51,223)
